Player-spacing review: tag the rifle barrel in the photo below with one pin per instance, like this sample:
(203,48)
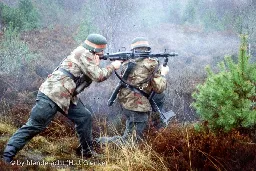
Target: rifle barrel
(130,55)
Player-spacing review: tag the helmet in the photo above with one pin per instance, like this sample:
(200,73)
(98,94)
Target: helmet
(140,42)
(95,43)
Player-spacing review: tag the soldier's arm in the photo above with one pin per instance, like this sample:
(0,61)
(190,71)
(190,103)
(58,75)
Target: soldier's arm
(158,83)
(90,66)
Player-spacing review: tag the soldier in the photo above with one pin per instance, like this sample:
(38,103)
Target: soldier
(136,107)
(146,76)
(59,93)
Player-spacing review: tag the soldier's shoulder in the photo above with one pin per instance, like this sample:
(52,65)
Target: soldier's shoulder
(151,60)
(86,52)
(150,63)
(77,52)
(125,63)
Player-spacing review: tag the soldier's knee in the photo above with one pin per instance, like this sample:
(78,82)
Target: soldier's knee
(42,113)
(141,126)
(87,114)
(85,118)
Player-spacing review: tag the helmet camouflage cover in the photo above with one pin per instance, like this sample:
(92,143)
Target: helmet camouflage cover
(140,42)
(95,42)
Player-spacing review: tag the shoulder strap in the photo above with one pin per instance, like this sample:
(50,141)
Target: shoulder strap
(67,73)
(132,88)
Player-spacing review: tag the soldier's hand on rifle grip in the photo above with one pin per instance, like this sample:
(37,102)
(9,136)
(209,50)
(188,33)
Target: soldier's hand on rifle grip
(116,64)
(164,70)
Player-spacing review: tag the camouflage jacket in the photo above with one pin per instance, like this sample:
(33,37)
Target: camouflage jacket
(59,87)
(143,70)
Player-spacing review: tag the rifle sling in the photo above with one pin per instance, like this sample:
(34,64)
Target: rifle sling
(135,89)
(81,82)
(69,74)
(132,88)
(151,75)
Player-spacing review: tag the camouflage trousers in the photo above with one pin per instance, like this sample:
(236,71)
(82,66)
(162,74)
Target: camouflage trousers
(43,113)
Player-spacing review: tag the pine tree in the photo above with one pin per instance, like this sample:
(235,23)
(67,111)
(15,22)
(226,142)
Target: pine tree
(225,100)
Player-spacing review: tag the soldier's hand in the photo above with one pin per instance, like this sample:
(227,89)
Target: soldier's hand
(164,70)
(116,64)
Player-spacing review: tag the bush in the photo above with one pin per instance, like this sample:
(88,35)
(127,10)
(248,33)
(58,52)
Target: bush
(25,17)
(13,53)
(225,100)
(52,13)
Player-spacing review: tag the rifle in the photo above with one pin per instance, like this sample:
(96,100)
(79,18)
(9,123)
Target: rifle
(127,71)
(133,55)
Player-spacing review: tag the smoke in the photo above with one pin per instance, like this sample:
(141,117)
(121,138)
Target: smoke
(121,22)
(164,24)
(201,32)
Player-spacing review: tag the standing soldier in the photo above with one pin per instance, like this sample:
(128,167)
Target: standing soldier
(147,76)
(59,93)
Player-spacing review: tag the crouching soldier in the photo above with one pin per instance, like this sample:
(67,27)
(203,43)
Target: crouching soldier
(59,93)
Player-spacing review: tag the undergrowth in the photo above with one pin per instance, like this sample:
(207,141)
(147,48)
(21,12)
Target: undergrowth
(176,147)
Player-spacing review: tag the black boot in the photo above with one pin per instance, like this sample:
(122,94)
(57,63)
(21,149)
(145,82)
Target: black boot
(9,153)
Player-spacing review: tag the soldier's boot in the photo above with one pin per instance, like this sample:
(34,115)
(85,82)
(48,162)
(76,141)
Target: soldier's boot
(86,152)
(9,153)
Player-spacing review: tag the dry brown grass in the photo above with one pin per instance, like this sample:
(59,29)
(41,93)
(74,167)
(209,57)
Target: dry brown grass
(176,147)
(186,149)
(131,156)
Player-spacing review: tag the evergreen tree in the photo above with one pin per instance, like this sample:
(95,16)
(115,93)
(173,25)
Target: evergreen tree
(225,101)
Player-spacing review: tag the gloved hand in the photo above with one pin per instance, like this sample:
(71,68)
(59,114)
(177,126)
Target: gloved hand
(164,70)
(116,64)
